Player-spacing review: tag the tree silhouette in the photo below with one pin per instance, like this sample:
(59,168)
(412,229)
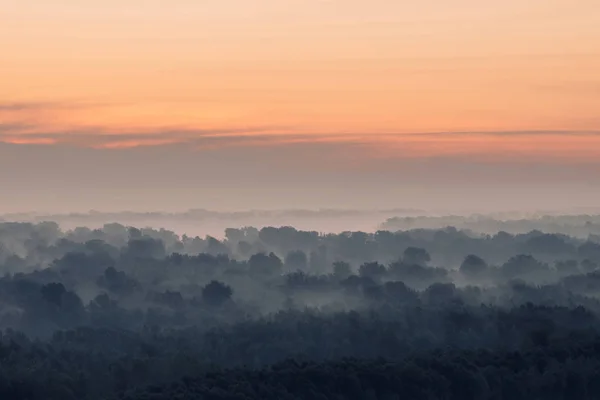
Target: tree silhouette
(216,293)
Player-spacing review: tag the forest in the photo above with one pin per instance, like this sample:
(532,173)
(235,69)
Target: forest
(120,312)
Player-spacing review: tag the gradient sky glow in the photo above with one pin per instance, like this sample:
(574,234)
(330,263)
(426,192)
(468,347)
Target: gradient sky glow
(381,81)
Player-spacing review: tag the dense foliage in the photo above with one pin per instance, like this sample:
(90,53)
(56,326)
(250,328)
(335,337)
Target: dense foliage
(126,313)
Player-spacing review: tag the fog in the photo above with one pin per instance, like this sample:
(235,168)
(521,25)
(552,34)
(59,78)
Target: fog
(133,305)
(275,265)
(65,179)
(199,222)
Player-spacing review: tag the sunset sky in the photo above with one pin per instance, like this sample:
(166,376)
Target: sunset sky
(245,97)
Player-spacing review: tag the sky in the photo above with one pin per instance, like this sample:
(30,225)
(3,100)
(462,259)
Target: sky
(298,103)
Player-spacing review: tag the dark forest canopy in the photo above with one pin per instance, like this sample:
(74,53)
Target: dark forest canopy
(128,313)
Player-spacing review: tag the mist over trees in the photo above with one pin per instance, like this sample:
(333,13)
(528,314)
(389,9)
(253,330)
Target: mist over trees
(580,225)
(120,312)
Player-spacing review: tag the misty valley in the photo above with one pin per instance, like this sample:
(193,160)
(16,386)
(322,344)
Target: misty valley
(299,200)
(427,308)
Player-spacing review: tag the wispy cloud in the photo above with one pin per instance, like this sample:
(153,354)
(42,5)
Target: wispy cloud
(195,139)
(513,146)
(20,106)
(37,106)
(20,123)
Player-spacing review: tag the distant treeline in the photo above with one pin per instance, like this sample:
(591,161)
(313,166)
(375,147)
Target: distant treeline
(582,225)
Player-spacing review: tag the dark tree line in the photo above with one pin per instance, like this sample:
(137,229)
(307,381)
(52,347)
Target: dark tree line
(127,313)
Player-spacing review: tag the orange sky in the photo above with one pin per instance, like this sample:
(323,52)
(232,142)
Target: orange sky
(372,72)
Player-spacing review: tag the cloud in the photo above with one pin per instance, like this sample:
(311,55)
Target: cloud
(28,140)
(20,106)
(102,138)
(47,123)
(38,106)
(427,144)
(515,145)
